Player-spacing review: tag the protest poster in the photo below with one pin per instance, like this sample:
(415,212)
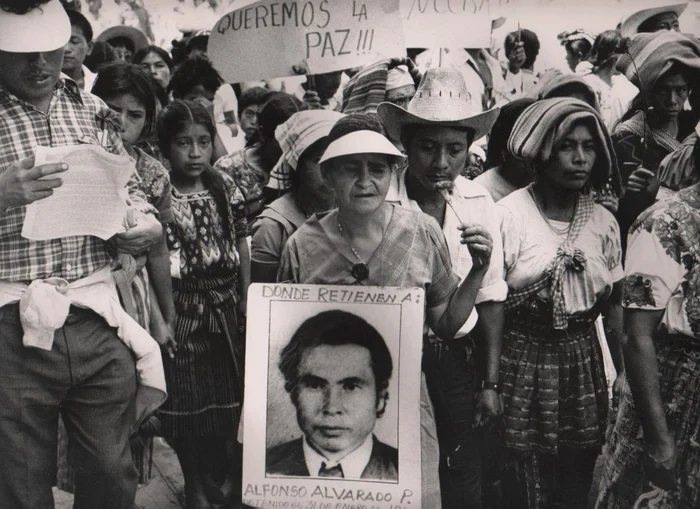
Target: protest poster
(268,38)
(457,23)
(330,373)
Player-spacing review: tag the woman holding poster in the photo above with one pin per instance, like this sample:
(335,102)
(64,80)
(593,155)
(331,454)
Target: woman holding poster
(368,241)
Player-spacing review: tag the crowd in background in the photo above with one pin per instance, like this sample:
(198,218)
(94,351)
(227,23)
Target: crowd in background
(553,219)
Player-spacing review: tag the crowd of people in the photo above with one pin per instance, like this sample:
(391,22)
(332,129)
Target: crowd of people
(553,220)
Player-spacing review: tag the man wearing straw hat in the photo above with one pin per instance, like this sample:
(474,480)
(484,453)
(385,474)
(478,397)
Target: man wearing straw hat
(436,130)
(57,296)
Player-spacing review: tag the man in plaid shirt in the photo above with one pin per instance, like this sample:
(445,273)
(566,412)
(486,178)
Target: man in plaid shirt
(88,373)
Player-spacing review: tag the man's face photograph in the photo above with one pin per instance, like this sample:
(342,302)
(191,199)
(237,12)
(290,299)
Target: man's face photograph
(336,399)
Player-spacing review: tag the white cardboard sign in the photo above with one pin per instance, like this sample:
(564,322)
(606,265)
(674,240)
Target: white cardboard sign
(328,368)
(265,39)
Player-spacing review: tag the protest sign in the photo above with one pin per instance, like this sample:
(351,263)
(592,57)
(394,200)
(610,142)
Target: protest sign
(330,372)
(456,23)
(266,39)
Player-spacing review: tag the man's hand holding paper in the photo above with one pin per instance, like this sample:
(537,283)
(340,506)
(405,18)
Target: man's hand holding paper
(23,183)
(143,230)
(92,199)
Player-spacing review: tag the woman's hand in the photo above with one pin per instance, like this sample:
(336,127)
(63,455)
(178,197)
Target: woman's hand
(164,334)
(660,462)
(480,244)
(643,181)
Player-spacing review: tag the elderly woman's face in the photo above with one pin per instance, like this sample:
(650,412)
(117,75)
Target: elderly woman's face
(360,182)
(572,163)
(437,154)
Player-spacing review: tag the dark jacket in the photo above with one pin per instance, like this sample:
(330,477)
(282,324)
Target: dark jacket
(288,460)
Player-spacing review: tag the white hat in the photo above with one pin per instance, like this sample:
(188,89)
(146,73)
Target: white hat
(399,77)
(630,25)
(360,142)
(44,28)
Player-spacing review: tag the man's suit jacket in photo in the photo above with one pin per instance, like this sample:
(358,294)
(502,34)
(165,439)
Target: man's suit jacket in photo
(288,460)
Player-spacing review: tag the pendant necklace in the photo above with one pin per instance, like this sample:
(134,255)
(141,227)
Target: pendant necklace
(360,271)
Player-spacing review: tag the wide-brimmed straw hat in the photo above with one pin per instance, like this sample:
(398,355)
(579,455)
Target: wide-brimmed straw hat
(132,33)
(442,99)
(44,28)
(360,142)
(630,24)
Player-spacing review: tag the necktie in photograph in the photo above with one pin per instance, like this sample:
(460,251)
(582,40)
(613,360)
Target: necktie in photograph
(336,471)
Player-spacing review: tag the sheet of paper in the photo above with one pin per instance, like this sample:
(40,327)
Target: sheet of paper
(92,199)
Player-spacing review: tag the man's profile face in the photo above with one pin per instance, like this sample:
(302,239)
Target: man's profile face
(337,400)
(31,76)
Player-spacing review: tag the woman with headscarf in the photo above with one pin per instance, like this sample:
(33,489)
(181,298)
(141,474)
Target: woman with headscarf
(652,458)
(665,66)
(612,92)
(368,241)
(303,141)
(563,269)
(250,167)
(392,80)
(578,44)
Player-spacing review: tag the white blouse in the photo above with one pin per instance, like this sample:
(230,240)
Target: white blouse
(531,243)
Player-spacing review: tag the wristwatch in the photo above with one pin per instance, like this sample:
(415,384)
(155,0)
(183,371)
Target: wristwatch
(485,384)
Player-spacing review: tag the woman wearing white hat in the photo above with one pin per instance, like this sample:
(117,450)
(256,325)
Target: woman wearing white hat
(368,241)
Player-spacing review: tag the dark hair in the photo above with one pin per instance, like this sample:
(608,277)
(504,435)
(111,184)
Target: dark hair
(409,131)
(251,97)
(195,42)
(646,26)
(80,21)
(192,72)
(336,328)
(175,118)
(277,109)
(101,54)
(143,52)
(21,6)
(295,176)
(575,85)
(531,44)
(122,40)
(498,141)
(355,122)
(119,78)
(580,47)
(608,44)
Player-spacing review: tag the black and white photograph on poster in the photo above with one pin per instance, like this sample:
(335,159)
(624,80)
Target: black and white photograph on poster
(331,373)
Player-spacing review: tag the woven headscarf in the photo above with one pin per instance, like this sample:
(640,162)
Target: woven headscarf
(367,89)
(655,53)
(576,35)
(543,125)
(302,130)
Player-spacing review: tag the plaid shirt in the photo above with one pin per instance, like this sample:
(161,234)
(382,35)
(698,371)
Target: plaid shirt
(74,117)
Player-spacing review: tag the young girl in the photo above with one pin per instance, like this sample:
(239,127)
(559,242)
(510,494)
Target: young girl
(129,91)
(210,280)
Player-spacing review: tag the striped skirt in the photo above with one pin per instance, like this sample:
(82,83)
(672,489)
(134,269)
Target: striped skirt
(553,382)
(623,481)
(205,379)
